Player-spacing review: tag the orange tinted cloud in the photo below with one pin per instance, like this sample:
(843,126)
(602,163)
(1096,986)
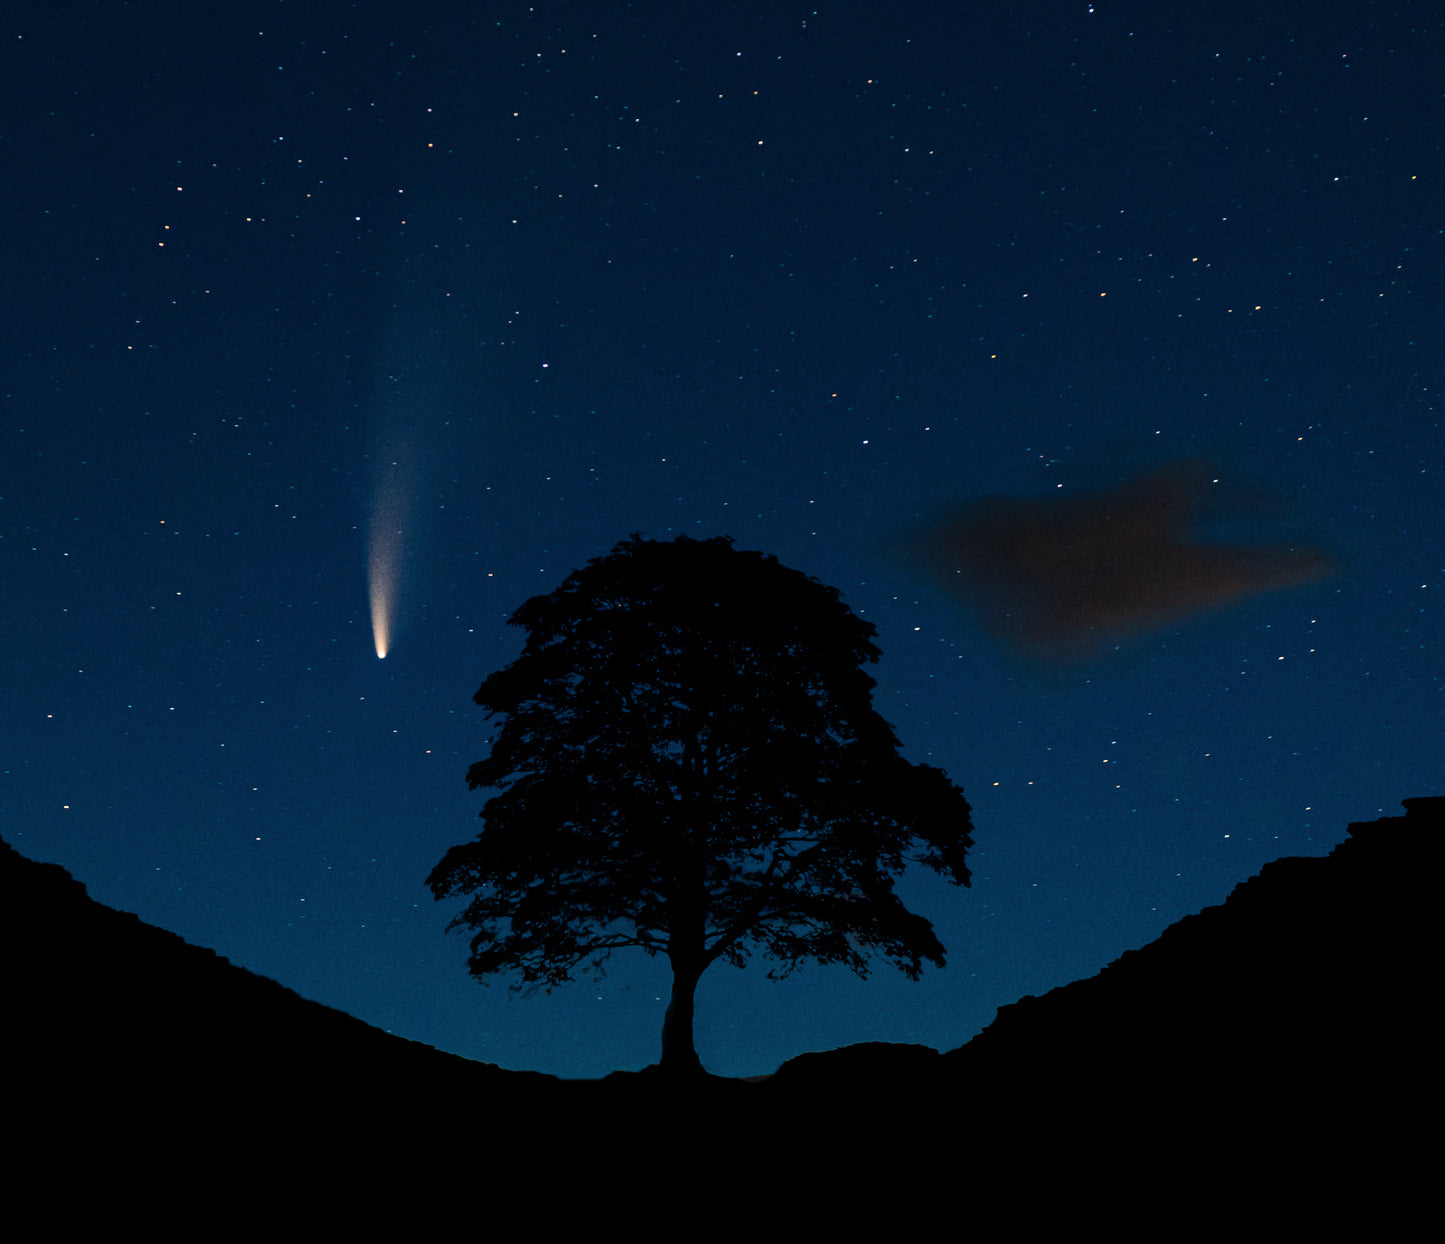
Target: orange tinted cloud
(1061,576)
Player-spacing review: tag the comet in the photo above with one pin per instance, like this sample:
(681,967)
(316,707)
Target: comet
(385,545)
(381,573)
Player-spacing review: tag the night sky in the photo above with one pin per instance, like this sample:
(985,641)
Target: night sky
(481,289)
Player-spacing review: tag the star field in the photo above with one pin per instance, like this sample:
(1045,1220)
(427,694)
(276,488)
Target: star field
(500,285)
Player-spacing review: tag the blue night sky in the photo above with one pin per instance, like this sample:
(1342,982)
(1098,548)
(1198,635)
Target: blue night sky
(520,280)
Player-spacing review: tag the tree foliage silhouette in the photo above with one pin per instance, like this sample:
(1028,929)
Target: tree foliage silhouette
(691,765)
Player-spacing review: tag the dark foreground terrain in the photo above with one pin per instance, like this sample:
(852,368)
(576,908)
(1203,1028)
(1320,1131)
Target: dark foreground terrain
(1274,1056)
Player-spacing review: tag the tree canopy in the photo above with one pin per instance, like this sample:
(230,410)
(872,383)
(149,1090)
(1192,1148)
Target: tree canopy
(691,764)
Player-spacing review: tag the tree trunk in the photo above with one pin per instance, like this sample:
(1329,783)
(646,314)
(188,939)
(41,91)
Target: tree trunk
(679,1056)
(686,939)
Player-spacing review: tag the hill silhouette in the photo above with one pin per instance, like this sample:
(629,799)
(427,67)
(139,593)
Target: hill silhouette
(1302,973)
(1280,1046)
(1289,1027)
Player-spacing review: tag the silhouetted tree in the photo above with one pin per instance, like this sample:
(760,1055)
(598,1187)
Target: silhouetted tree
(691,764)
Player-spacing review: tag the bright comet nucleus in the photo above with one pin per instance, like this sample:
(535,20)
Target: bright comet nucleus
(380,620)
